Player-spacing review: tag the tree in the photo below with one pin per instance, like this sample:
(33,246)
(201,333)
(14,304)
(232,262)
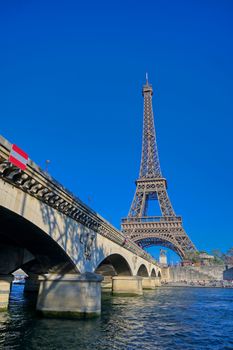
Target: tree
(218,256)
(230,252)
(229,256)
(192,256)
(217,253)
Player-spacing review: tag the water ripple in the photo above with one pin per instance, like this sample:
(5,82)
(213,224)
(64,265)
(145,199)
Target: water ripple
(167,318)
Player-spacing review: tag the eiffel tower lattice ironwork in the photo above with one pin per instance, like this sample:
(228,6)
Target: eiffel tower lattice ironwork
(167,229)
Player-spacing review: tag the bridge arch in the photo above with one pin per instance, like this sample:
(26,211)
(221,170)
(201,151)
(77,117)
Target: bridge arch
(142,271)
(28,247)
(153,273)
(114,264)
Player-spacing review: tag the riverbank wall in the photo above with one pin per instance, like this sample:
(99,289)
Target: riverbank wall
(199,273)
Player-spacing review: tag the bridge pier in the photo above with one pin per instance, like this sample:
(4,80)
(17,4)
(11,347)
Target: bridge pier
(32,283)
(127,285)
(5,288)
(148,283)
(72,296)
(157,281)
(106,283)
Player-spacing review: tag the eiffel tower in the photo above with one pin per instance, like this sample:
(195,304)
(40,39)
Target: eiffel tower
(165,230)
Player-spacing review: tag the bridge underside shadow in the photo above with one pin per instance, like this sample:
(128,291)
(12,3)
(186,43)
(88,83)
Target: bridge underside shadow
(114,265)
(24,245)
(153,273)
(142,271)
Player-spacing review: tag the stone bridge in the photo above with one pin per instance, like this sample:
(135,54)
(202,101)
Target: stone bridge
(67,250)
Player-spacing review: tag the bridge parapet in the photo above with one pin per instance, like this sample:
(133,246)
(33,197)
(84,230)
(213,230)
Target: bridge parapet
(39,184)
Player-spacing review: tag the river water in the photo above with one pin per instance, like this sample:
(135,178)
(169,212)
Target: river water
(167,318)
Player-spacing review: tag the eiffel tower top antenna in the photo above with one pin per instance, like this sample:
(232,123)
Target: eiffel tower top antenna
(150,167)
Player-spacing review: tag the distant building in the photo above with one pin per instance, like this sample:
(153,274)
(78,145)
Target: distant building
(206,259)
(163,257)
(228,274)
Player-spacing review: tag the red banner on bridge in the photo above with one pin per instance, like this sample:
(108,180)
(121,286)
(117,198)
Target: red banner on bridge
(18,157)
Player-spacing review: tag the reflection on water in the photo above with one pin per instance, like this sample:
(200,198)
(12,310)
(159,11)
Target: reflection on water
(167,318)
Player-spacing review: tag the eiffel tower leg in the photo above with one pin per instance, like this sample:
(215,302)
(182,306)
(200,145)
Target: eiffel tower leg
(136,205)
(185,242)
(164,202)
(143,208)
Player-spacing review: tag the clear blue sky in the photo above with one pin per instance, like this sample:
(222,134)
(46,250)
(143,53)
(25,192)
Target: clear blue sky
(71,74)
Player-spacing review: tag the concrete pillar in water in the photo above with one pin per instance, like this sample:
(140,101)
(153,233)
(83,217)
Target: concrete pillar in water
(127,285)
(148,283)
(5,288)
(107,283)
(32,283)
(157,281)
(72,296)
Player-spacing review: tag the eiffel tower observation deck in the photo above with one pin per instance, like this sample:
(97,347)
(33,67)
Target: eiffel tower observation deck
(165,230)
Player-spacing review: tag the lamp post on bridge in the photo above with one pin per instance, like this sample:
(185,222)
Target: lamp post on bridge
(47,162)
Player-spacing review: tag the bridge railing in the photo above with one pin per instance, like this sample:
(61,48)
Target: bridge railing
(39,184)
